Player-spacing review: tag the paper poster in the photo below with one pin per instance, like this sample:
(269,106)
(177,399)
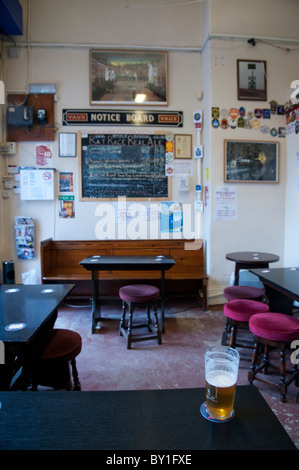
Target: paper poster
(37,184)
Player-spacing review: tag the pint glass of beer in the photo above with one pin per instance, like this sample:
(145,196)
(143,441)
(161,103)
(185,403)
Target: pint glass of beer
(221,372)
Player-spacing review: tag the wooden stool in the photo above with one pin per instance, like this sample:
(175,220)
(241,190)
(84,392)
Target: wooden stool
(238,313)
(50,357)
(145,296)
(276,330)
(244,292)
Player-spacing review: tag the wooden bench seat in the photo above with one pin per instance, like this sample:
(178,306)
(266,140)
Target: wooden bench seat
(60,263)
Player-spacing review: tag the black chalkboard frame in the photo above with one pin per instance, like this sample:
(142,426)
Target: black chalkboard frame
(87,181)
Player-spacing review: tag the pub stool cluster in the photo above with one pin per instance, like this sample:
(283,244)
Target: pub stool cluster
(139,295)
(238,313)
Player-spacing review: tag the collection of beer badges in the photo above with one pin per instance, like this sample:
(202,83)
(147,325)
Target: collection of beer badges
(256,119)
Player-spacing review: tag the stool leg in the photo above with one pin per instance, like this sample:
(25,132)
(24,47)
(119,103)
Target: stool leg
(157,324)
(129,335)
(149,322)
(233,334)
(251,373)
(225,332)
(77,385)
(282,384)
(123,317)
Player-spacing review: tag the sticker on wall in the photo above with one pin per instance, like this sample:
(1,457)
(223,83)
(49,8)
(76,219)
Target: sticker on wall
(265,129)
(273,132)
(242,111)
(233,123)
(273,106)
(66,207)
(43,154)
(255,124)
(234,113)
(281,132)
(266,114)
(258,113)
(215,123)
(241,122)
(224,123)
(215,112)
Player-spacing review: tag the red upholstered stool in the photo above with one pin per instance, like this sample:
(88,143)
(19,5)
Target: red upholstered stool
(50,358)
(139,295)
(276,330)
(244,292)
(238,313)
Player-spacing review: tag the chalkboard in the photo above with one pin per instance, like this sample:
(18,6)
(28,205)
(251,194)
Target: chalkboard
(123,165)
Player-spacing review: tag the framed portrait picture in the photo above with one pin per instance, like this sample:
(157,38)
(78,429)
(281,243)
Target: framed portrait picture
(246,161)
(128,77)
(252,81)
(183,146)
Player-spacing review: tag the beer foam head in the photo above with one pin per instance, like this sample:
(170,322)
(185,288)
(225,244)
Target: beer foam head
(221,378)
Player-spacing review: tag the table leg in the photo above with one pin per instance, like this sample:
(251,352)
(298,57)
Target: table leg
(278,302)
(95,307)
(162,301)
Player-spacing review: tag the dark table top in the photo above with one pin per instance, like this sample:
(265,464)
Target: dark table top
(135,420)
(285,280)
(25,308)
(127,263)
(252,257)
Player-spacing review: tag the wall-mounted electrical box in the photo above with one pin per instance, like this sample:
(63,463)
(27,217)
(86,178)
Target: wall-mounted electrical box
(8,148)
(20,116)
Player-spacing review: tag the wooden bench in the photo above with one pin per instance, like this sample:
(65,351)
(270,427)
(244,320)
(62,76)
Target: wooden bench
(60,264)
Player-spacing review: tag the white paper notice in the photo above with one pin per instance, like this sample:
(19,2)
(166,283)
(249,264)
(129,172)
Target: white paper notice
(226,212)
(227,194)
(37,184)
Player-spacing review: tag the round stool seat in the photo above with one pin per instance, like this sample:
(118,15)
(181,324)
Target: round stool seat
(241,310)
(275,326)
(243,292)
(139,293)
(59,345)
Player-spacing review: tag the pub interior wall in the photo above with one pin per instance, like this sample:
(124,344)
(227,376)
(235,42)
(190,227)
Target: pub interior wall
(261,207)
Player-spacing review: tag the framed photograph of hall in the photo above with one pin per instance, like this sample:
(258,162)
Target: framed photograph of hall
(128,77)
(247,161)
(252,82)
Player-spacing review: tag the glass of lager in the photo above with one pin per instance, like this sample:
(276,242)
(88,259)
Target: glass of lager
(221,372)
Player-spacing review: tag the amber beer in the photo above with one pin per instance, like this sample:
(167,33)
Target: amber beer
(221,371)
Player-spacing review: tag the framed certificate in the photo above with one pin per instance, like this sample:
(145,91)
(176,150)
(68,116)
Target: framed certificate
(183,146)
(67,144)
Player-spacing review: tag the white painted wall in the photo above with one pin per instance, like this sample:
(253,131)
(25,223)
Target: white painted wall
(266,219)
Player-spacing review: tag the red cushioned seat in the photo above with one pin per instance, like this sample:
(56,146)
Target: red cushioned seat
(49,357)
(275,326)
(139,293)
(273,330)
(238,313)
(131,296)
(241,310)
(243,292)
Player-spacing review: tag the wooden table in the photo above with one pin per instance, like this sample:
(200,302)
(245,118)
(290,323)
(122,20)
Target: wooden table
(24,310)
(281,286)
(125,263)
(250,260)
(167,420)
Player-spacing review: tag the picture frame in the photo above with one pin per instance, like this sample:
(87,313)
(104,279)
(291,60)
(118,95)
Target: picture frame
(121,77)
(252,80)
(183,146)
(67,144)
(248,161)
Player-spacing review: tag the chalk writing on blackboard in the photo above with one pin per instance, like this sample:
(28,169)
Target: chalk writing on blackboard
(118,165)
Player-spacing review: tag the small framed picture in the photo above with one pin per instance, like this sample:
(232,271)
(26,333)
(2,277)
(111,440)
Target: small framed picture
(67,144)
(183,146)
(252,82)
(251,162)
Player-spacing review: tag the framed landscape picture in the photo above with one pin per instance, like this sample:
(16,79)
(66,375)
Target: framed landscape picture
(247,161)
(128,77)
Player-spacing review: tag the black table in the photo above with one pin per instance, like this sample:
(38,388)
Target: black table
(24,310)
(135,420)
(125,263)
(281,286)
(250,260)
